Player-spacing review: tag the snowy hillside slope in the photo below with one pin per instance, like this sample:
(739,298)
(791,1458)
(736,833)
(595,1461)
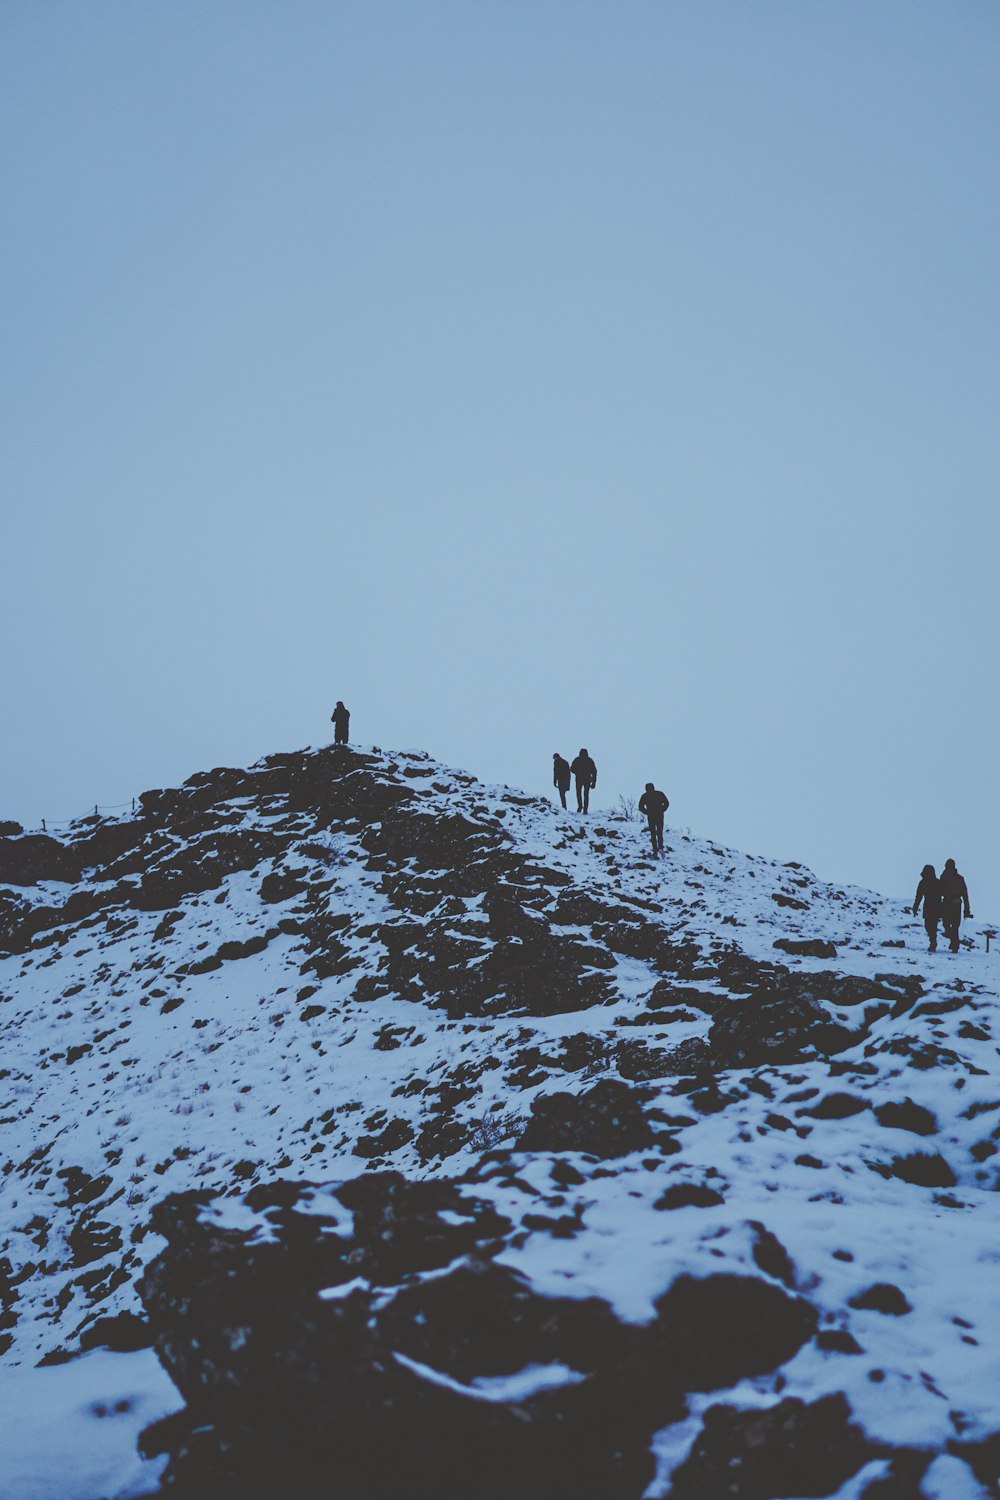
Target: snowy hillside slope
(337,963)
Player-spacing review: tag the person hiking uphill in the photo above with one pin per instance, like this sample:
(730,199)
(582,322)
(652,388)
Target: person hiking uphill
(654,804)
(585,775)
(560,775)
(954,896)
(341,719)
(929,892)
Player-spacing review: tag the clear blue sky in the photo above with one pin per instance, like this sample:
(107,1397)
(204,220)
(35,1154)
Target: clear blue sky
(527,375)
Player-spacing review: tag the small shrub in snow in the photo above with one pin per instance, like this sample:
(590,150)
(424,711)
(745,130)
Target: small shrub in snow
(491,1130)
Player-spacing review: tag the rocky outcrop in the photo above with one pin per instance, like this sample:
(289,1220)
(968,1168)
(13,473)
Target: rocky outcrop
(772,1026)
(807,947)
(34,857)
(606,1121)
(369,1331)
(794,1448)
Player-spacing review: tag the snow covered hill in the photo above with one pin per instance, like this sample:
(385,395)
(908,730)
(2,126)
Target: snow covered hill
(698,1156)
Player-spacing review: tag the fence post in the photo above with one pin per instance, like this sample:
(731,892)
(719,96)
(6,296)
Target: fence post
(44,829)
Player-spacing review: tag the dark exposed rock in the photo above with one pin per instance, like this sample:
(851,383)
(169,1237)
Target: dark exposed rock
(770,1027)
(434,842)
(122,1334)
(924,1169)
(9,830)
(485,1319)
(718,1329)
(791,1449)
(608,1120)
(922,1055)
(666,995)
(316,1350)
(328,954)
(771,1256)
(883,1297)
(442,1136)
(902,1479)
(837,1341)
(844,989)
(8,1299)
(691,1057)
(983,1458)
(807,947)
(639,1063)
(108,842)
(510,915)
(579,1053)
(34,857)
(709,1099)
(202,866)
(395,1134)
(689,1195)
(906,1115)
(578,908)
(229,952)
(282,885)
(540,974)
(835,1107)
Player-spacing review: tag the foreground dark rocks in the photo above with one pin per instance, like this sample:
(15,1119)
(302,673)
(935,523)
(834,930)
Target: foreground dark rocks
(792,1449)
(365,1341)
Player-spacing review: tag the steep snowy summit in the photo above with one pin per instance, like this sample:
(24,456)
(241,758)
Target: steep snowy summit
(444,1143)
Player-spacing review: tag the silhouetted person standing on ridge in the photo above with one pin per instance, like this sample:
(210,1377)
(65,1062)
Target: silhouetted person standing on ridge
(929,892)
(561,775)
(341,718)
(654,804)
(954,896)
(585,774)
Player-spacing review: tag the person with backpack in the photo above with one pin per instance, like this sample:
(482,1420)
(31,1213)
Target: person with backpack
(654,804)
(929,892)
(585,774)
(560,775)
(954,896)
(341,719)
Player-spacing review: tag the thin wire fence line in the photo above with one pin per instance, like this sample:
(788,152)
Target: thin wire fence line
(45,824)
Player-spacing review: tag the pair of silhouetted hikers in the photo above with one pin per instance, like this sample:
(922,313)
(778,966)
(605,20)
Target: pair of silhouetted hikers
(944,897)
(583,771)
(341,720)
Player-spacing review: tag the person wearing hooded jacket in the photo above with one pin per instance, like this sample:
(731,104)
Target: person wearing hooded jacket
(954,897)
(929,892)
(654,804)
(560,775)
(341,718)
(585,774)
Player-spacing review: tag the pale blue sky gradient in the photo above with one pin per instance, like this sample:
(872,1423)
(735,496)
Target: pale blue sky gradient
(528,375)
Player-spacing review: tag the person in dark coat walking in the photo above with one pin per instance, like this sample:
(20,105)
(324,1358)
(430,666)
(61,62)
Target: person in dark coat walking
(929,892)
(341,718)
(954,896)
(560,775)
(585,774)
(654,804)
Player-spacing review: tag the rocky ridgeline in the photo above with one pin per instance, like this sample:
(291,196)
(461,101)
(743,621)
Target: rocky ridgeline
(616,1190)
